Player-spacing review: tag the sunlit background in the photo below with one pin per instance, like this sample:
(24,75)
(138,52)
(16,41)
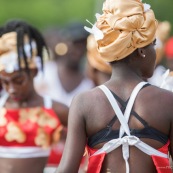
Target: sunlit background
(46,13)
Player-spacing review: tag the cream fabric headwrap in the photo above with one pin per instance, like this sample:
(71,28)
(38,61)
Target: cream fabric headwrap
(94,57)
(126,25)
(9,55)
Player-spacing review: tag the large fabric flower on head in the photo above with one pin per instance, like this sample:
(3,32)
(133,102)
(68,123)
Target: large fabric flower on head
(8,42)
(9,53)
(126,25)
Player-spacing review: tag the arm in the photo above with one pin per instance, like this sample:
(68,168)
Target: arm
(76,138)
(170,112)
(171,139)
(62,112)
(171,128)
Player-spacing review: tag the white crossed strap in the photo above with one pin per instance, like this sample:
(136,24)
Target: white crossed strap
(129,139)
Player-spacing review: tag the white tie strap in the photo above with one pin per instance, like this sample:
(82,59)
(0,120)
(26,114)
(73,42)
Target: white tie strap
(128,140)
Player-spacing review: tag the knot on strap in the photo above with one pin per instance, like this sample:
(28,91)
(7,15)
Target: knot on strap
(127,141)
(130,140)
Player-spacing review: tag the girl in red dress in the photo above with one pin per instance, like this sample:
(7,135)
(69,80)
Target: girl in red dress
(29,124)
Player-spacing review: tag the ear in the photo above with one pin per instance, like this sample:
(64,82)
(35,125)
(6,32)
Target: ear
(141,52)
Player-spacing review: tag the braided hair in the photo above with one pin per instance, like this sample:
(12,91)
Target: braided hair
(22,29)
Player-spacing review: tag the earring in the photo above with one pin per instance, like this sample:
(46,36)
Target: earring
(143,56)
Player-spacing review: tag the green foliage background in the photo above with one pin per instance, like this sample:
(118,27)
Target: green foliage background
(44,13)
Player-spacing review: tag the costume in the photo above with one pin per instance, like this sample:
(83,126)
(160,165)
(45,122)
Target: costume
(25,132)
(28,132)
(127,137)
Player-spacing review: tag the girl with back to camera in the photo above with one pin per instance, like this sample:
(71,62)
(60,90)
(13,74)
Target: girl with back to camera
(125,123)
(29,123)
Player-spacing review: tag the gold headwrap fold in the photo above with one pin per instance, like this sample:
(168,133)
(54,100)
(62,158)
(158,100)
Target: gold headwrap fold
(94,57)
(126,25)
(9,55)
(8,42)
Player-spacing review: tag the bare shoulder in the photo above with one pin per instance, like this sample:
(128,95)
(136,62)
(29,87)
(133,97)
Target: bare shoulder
(159,99)
(156,93)
(85,101)
(161,94)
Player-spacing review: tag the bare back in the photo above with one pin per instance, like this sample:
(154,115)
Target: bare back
(91,112)
(154,110)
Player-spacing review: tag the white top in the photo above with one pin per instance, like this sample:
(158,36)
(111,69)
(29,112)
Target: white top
(157,78)
(162,78)
(23,152)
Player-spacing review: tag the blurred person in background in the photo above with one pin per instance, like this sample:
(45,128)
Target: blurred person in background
(1,89)
(64,75)
(164,79)
(29,124)
(67,78)
(162,35)
(126,123)
(169,53)
(42,83)
(167,82)
(97,69)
